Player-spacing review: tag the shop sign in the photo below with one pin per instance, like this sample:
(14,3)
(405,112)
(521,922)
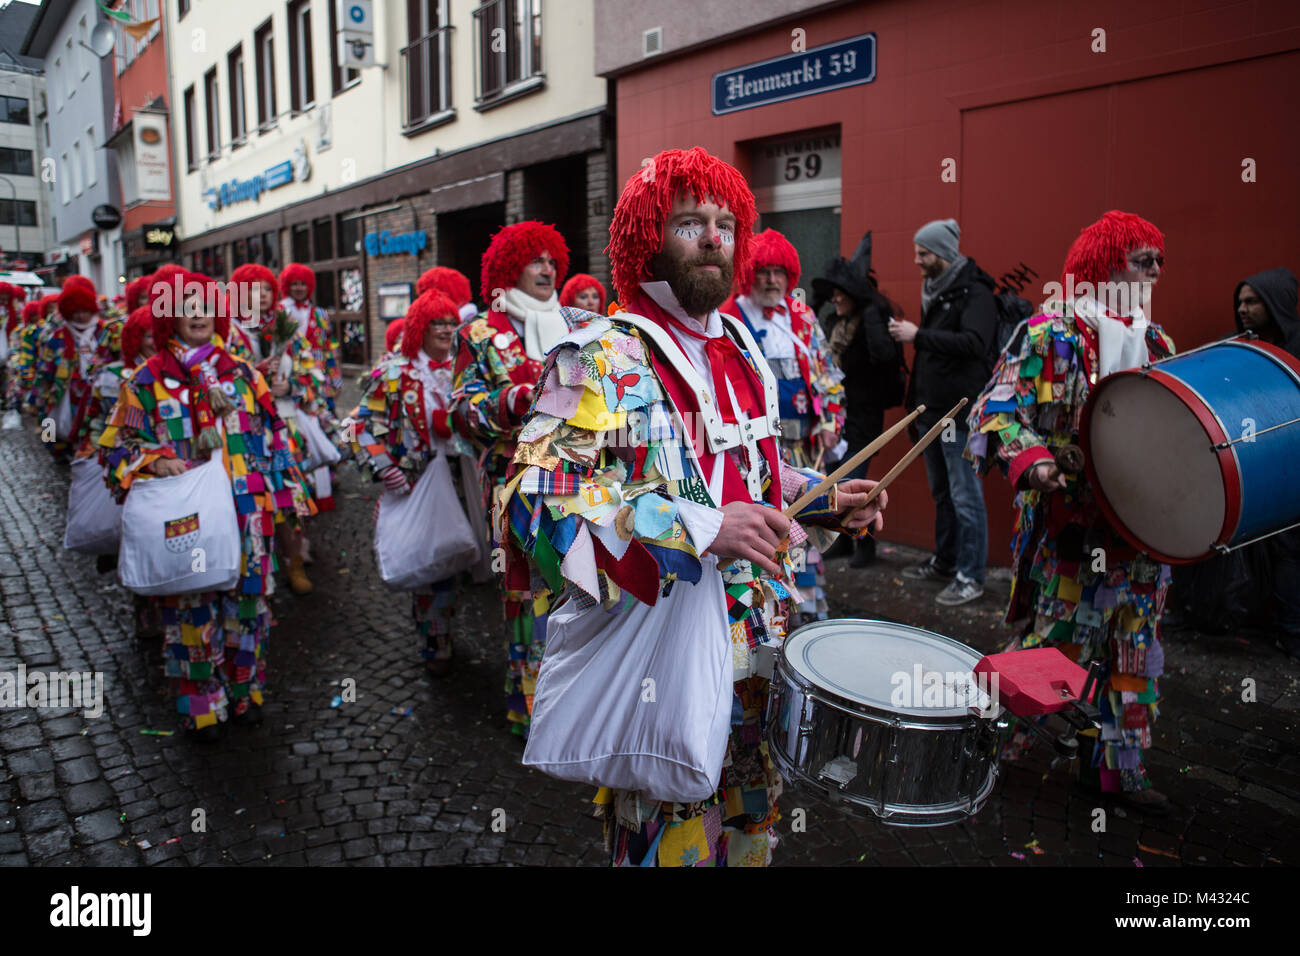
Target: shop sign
(819,70)
(159,237)
(389,244)
(251,189)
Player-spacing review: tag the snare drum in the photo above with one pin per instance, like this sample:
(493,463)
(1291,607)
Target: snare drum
(885,718)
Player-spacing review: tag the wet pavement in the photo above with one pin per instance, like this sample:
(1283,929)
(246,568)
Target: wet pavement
(422,771)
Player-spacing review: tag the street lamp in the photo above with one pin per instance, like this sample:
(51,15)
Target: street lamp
(13,206)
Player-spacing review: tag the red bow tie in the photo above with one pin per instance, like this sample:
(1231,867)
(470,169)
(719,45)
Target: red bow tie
(726,361)
(434,366)
(768,310)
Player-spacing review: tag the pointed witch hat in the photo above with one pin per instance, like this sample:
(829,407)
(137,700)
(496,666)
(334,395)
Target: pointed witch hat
(853,275)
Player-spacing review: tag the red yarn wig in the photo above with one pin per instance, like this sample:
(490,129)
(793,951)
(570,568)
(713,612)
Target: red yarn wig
(48,304)
(137,293)
(163,279)
(770,249)
(393,334)
(194,285)
(637,229)
(249,274)
(1103,247)
(450,282)
(581,283)
(77,297)
(138,324)
(297,272)
(32,313)
(432,305)
(513,247)
(16,295)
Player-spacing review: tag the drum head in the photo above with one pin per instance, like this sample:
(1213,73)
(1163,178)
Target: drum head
(1155,466)
(880,665)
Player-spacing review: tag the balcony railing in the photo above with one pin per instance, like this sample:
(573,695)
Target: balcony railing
(508,49)
(426,78)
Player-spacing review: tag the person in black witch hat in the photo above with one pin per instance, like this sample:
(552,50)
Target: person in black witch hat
(875,376)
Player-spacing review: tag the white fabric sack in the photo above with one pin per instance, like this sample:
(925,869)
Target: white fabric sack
(166,519)
(94,518)
(424,536)
(4,344)
(63,415)
(320,451)
(598,719)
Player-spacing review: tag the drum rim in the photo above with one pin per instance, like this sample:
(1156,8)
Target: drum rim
(882,715)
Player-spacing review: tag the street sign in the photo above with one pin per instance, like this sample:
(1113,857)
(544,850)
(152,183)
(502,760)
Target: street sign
(819,70)
(106,217)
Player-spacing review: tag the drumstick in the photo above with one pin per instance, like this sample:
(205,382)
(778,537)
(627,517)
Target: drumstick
(912,454)
(820,488)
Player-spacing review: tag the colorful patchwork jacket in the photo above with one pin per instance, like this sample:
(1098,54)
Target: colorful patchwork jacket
(604,467)
(812,396)
(493,384)
(58,368)
(316,378)
(22,365)
(1027,413)
(105,388)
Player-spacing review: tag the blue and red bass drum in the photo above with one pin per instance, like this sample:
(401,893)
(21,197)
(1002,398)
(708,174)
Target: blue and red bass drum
(1198,452)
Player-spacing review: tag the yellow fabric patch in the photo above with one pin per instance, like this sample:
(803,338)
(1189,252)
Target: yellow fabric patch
(594,416)
(1044,391)
(747,849)
(1068,589)
(996,423)
(735,806)
(205,720)
(603,797)
(191,635)
(685,843)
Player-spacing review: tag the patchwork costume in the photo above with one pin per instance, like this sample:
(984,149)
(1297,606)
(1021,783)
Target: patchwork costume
(64,355)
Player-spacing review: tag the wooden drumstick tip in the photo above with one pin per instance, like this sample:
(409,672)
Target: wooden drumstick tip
(1070,459)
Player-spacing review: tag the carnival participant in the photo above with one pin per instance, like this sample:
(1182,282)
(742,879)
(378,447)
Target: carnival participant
(190,400)
(672,507)
(454,285)
(254,295)
(11,312)
(393,336)
(107,378)
(583,292)
(18,366)
(26,356)
(65,351)
(810,393)
(401,425)
(498,359)
(1108,612)
(136,294)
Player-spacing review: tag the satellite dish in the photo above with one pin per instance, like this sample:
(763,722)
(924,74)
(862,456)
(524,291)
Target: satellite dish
(102,38)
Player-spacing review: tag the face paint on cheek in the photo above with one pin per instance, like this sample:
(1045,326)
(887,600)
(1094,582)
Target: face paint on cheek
(727,238)
(689,233)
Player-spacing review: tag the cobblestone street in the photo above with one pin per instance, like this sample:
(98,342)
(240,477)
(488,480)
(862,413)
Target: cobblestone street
(368,783)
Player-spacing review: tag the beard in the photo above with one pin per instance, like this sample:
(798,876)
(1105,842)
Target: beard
(698,293)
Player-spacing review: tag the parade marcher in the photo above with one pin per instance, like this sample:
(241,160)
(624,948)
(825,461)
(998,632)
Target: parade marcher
(584,292)
(809,386)
(454,285)
(190,400)
(401,425)
(107,379)
(136,294)
(24,361)
(498,360)
(18,366)
(68,348)
(1108,612)
(254,299)
(11,312)
(393,336)
(953,342)
(609,519)
(858,340)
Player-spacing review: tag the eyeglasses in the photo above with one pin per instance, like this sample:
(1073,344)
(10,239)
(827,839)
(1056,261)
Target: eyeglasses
(1146,262)
(444,325)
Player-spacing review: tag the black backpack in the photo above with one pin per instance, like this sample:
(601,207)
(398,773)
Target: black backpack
(1012,313)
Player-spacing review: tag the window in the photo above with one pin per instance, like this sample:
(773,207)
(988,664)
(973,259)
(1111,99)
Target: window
(325,290)
(263,42)
(301,244)
(426,61)
(509,48)
(16,109)
(322,239)
(54,87)
(70,77)
(235,81)
(213,118)
(76,167)
(340,79)
(16,162)
(191,131)
(238,253)
(46,126)
(184,7)
(128,47)
(349,232)
(91,175)
(81,52)
(271,250)
(20,212)
(66,180)
(302,93)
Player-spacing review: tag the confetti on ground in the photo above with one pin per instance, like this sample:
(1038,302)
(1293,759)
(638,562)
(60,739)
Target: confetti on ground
(336,700)
(1137,862)
(144,845)
(158,733)
(400,713)
(241,810)
(1151,849)
(1018,856)
(174,839)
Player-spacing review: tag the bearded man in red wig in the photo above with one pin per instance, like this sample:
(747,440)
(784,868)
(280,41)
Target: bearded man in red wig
(1095,323)
(498,359)
(650,481)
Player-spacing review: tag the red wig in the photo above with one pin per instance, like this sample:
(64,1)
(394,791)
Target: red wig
(637,229)
(450,282)
(513,247)
(581,283)
(432,305)
(297,272)
(76,297)
(16,295)
(393,334)
(31,313)
(163,279)
(48,304)
(1103,247)
(250,273)
(164,308)
(137,293)
(770,249)
(137,325)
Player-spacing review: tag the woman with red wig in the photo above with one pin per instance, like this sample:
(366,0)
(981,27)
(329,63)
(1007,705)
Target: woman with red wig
(584,292)
(191,400)
(20,356)
(70,346)
(251,306)
(393,336)
(402,424)
(11,299)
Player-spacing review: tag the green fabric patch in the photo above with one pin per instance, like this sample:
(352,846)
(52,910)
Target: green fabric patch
(1061,633)
(1031,366)
(200,670)
(548,562)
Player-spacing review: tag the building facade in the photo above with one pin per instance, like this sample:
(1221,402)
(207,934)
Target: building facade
(75,120)
(1024,119)
(24,208)
(474,115)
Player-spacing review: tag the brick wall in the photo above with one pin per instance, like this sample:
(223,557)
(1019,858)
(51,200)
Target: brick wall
(599,211)
(514,196)
(398,267)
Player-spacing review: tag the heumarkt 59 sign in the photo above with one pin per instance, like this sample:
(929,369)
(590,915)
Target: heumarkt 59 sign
(819,70)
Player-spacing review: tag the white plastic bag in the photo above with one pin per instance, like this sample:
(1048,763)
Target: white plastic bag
(424,536)
(179,533)
(638,700)
(320,451)
(63,415)
(94,518)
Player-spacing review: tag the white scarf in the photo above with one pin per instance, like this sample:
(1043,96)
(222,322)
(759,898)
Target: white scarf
(84,337)
(1119,346)
(543,324)
(300,313)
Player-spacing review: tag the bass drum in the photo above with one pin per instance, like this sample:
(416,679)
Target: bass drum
(884,719)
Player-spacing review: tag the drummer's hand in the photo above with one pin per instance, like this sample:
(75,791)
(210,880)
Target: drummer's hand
(851,498)
(166,467)
(280,387)
(751,533)
(1045,476)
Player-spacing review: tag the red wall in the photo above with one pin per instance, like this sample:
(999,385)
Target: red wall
(139,84)
(1047,135)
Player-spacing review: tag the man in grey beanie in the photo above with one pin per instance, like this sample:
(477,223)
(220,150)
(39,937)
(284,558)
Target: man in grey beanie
(953,345)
